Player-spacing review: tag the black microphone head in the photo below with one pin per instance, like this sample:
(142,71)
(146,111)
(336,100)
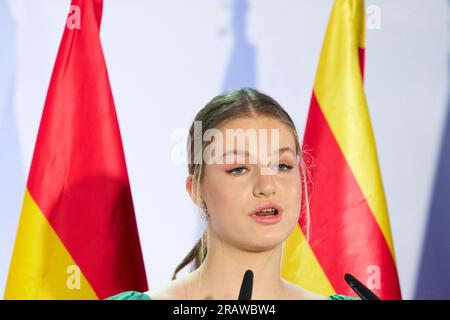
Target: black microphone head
(247,286)
(361,290)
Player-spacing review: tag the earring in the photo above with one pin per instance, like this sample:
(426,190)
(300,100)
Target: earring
(204,213)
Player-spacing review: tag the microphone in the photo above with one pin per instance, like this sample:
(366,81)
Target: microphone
(247,286)
(361,290)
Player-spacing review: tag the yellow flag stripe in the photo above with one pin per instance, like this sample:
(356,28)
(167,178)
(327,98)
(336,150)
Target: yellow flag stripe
(299,265)
(340,93)
(41,267)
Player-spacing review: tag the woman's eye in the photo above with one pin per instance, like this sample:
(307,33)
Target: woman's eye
(236,171)
(284,167)
(240,170)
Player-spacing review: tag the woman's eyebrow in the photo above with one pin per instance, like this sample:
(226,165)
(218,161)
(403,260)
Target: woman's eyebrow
(245,152)
(286,149)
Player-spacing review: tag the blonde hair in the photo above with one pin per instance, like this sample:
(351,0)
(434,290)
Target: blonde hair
(233,104)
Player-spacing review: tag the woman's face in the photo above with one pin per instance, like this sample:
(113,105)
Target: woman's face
(232,191)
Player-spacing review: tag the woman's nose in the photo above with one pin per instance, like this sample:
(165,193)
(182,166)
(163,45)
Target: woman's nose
(264,186)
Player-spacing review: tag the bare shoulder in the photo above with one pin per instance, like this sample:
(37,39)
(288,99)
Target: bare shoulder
(295,292)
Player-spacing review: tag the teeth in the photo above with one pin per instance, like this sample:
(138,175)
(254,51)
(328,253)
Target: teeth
(267,212)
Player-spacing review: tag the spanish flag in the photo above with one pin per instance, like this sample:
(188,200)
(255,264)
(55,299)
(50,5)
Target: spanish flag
(77,236)
(349,226)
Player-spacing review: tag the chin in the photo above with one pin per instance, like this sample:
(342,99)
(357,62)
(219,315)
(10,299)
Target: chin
(264,242)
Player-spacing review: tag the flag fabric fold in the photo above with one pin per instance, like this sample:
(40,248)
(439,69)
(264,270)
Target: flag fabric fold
(77,236)
(350,231)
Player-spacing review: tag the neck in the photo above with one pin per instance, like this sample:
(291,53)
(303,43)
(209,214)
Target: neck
(220,275)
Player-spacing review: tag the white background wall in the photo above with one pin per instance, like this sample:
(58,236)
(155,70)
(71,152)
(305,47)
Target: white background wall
(166,59)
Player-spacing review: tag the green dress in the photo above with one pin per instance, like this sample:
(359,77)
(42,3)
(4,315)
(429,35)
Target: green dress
(134,295)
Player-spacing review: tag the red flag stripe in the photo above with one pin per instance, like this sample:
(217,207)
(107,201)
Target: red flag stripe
(362,56)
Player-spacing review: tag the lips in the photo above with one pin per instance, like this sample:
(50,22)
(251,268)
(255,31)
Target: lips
(261,207)
(265,218)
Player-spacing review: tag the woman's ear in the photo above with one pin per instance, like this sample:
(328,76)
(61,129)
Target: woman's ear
(190,189)
(189,186)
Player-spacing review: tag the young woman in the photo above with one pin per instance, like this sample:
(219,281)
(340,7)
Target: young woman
(250,195)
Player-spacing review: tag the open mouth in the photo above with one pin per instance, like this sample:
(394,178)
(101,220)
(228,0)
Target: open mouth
(267,212)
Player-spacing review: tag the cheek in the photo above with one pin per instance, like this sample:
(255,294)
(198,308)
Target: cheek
(293,191)
(226,201)
(225,191)
(296,191)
